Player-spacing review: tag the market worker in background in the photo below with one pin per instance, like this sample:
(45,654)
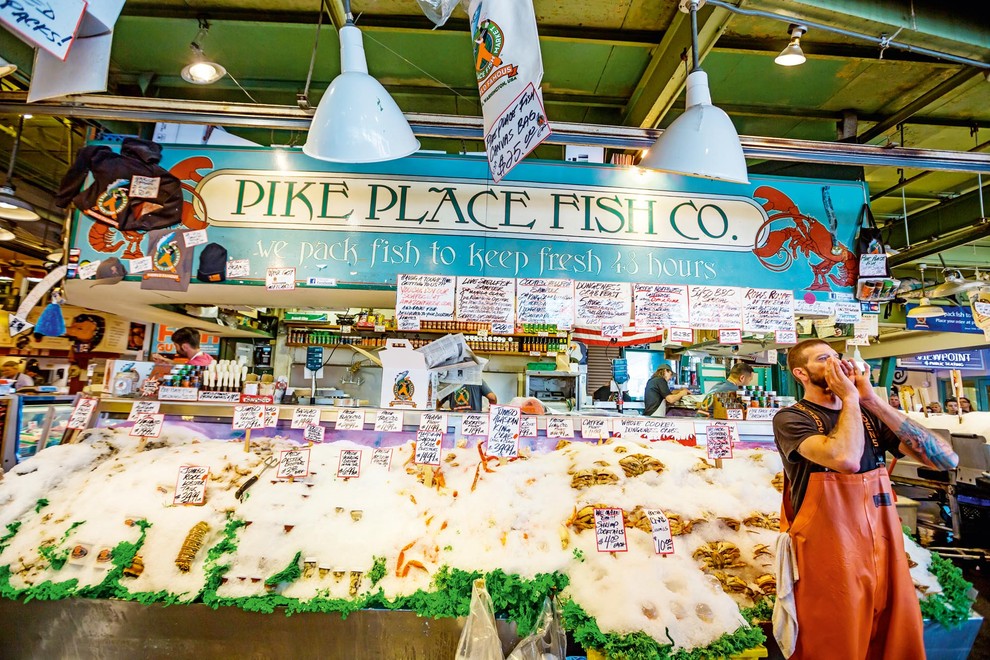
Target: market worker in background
(935,407)
(11,370)
(657,393)
(740,375)
(951,406)
(894,399)
(845,583)
(965,405)
(469,398)
(186,342)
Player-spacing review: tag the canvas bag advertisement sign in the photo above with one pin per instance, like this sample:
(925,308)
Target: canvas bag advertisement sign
(509,68)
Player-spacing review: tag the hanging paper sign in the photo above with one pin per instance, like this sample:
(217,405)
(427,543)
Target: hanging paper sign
(595,427)
(814,308)
(545,302)
(730,336)
(714,307)
(196,237)
(248,417)
(873,265)
(433,421)
(663,539)
(280,279)
(303,417)
(81,412)
(474,424)
(428,447)
(599,303)
(350,420)
(610,532)
(980,307)
(560,427)
(50,26)
(139,265)
(761,414)
(785,336)
(522,127)
(425,297)
(238,268)
(486,299)
(682,335)
(349,466)
(17,325)
(768,310)
(848,312)
(190,486)
(87,271)
(660,305)
(388,421)
(314,433)
(382,457)
(139,408)
(407,323)
(528,427)
(612,330)
(293,463)
(271,417)
(718,437)
(503,439)
(148,426)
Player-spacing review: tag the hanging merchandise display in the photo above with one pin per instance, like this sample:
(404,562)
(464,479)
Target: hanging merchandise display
(171,261)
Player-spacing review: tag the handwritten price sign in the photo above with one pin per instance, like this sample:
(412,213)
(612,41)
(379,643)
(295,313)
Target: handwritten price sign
(527,427)
(388,421)
(428,447)
(474,424)
(560,427)
(350,420)
(314,433)
(293,463)
(349,466)
(303,417)
(248,417)
(190,487)
(610,532)
(143,408)
(271,417)
(517,131)
(433,421)
(663,540)
(280,279)
(503,439)
(595,427)
(718,437)
(83,410)
(148,426)
(382,457)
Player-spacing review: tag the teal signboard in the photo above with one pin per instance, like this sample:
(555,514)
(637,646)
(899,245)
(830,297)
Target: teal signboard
(364,224)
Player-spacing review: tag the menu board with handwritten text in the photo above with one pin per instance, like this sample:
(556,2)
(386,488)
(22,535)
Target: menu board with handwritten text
(715,307)
(768,310)
(598,303)
(660,305)
(486,299)
(545,302)
(425,297)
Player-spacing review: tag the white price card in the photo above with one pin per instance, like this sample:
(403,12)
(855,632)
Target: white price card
(139,265)
(474,424)
(148,426)
(433,421)
(502,328)
(612,330)
(407,323)
(761,414)
(145,187)
(428,447)
(663,540)
(195,237)
(271,417)
(528,427)
(314,433)
(143,408)
(350,420)
(349,466)
(785,336)
(303,417)
(248,417)
(729,336)
(280,279)
(237,268)
(718,437)
(388,421)
(610,532)
(293,463)
(503,437)
(735,414)
(382,457)
(560,427)
(595,428)
(88,271)
(190,486)
(681,335)
(83,410)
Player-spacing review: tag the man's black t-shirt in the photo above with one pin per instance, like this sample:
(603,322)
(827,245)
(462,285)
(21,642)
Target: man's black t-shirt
(792,426)
(657,390)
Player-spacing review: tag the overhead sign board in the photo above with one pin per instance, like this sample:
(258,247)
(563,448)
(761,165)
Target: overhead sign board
(50,26)
(955,319)
(968,360)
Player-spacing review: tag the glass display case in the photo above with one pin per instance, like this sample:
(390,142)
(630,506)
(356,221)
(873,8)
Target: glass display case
(32,423)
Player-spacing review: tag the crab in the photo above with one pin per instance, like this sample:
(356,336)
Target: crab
(719,554)
(767,584)
(637,518)
(678,527)
(778,482)
(731,523)
(584,518)
(762,550)
(765,520)
(702,465)
(732,584)
(636,464)
(596,477)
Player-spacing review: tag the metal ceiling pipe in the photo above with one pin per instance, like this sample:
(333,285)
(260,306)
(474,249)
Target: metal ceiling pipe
(961,237)
(881,41)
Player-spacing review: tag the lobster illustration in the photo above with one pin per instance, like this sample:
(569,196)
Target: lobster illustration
(107,239)
(778,247)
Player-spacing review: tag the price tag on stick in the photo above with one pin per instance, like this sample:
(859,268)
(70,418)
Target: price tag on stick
(428,447)
(610,532)
(349,466)
(148,426)
(83,410)
(663,540)
(382,457)
(293,464)
(190,486)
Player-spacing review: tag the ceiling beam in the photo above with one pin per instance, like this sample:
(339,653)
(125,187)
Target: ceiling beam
(944,219)
(666,73)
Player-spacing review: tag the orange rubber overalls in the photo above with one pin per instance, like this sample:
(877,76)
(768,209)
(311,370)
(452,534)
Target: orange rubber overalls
(854,596)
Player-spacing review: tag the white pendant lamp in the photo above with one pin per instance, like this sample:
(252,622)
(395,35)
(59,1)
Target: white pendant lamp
(5,232)
(792,55)
(357,121)
(954,284)
(925,308)
(13,207)
(201,71)
(701,142)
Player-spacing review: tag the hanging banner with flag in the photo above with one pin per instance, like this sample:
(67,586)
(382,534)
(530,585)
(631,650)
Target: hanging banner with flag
(509,68)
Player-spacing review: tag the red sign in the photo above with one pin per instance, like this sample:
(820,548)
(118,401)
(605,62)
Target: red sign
(209,344)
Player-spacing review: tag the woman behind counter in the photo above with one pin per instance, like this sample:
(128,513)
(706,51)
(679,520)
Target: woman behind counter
(658,391)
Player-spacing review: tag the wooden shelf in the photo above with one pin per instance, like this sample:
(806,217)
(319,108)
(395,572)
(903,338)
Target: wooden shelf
(473,333)
(368,348)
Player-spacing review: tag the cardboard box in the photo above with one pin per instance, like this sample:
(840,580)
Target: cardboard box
(406,381)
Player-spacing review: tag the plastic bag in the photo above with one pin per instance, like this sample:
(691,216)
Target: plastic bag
(547,641)
(479,639)
(437,11)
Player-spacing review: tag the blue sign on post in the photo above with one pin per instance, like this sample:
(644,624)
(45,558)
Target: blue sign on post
(971,360)
(314,358)
(955,319)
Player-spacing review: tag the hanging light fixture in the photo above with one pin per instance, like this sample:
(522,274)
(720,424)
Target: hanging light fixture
(6,232)
(201,71)
(925,308)
(11,206)
(6,68)
(792,55)
(702,141)
(357,121)
(955,283)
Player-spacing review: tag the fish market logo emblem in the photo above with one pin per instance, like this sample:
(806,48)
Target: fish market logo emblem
(167,254)
(403,390)
(114,199)
(489,40)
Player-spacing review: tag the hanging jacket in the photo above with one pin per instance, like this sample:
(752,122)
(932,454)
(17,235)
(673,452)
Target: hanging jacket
(130,191)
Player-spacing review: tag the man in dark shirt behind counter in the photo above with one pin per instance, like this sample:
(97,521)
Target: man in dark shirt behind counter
(851,595)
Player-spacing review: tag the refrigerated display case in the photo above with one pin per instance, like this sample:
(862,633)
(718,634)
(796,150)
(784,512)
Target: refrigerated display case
(33,422)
